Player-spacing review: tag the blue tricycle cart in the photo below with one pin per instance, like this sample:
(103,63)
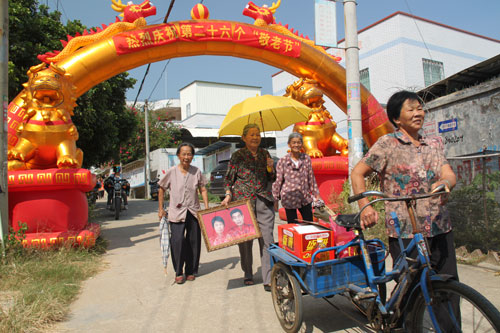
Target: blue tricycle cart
(421,301)
(291,276)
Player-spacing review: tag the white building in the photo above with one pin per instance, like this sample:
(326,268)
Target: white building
(403,51)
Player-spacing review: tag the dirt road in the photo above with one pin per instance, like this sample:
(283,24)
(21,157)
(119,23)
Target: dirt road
(132,294)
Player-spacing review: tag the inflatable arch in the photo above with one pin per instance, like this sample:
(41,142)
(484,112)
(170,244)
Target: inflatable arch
(103,56)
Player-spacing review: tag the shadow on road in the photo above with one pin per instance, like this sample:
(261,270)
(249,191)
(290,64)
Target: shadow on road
(137,208)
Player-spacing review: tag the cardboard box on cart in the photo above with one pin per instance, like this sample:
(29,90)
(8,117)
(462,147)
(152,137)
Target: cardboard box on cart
(302,240)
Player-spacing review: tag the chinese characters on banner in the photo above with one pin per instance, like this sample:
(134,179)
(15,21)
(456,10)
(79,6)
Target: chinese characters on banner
(137,40)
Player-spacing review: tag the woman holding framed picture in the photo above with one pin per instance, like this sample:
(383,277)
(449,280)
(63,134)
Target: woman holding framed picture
(249,173)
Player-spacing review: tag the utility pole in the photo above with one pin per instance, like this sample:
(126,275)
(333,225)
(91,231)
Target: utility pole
(4,87)
(146,167)
(353,89)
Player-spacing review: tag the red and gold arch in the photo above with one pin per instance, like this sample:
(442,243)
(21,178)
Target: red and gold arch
(41,135)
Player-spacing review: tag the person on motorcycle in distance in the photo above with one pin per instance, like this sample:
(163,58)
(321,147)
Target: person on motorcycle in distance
(108,185)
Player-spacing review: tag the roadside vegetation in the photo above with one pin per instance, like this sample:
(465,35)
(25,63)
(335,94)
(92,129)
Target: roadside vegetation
(474,211)
(38,285)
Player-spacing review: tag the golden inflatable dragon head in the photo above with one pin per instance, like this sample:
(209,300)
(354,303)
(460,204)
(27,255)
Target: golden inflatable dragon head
(45,137)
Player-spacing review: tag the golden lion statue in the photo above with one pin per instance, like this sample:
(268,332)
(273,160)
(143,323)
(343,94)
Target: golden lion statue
(47,137)
(319,131)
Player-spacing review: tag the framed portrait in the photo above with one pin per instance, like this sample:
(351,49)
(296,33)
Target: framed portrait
(222,227)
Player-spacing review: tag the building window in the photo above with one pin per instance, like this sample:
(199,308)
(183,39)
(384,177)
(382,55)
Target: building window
(364,78)
(188,110)
(433,71)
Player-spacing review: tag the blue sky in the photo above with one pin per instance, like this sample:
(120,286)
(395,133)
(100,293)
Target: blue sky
(480,17)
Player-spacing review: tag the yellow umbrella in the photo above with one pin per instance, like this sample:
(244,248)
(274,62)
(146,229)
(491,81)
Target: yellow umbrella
(270,113)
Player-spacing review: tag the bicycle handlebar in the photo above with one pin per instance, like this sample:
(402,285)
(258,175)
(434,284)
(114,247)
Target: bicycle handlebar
(437,191)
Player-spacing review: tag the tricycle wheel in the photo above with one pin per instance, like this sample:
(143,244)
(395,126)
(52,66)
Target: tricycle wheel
(287,298)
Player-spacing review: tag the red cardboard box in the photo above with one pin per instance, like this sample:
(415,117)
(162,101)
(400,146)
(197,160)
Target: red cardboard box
(302,240)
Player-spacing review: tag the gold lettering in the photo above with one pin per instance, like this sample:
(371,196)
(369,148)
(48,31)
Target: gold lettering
(288,45)
(145,38)
(225,31)
(264,38)
(276,42)
(200,34)
(132,42)
(186,31)
(212,30)
(240,32)
(158,36)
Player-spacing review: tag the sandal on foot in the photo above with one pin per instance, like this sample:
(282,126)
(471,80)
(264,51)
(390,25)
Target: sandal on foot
(180,279)
(267,287)
(248,282)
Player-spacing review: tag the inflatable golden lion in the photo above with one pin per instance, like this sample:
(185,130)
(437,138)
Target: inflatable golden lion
(319,131)
(46,136)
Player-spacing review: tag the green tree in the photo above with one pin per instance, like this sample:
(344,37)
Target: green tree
(101,117)
(162,134)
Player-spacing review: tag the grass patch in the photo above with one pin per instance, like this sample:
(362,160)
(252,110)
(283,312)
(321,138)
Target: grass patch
(37,286)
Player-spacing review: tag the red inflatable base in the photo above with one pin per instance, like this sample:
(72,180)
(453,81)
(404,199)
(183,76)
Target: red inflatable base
(52,205)
(85,238)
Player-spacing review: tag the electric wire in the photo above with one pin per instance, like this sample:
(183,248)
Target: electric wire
(158,81)
(418,29)
(149,65)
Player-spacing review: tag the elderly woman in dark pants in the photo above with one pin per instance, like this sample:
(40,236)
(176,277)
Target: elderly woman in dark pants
(249,173)
(184,181)
(295,184)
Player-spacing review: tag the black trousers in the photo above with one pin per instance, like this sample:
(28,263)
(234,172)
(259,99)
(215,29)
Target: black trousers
(305,211)
(442,252)
(185,245)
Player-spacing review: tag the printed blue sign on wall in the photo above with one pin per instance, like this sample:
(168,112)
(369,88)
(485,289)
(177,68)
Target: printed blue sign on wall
(448,125)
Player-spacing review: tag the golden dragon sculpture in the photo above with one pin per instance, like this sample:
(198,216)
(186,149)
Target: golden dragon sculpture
(264,17)
(133,17)
(319,131)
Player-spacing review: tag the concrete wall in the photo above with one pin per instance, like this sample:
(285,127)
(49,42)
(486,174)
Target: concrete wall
(467,120)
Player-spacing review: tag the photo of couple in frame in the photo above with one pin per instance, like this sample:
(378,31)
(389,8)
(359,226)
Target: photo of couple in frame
(222,227)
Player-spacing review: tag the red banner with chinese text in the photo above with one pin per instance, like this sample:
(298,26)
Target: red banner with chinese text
(137,40)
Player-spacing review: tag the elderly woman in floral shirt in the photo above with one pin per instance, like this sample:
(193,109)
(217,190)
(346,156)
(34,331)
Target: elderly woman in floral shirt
(295,184)
(407,164)
(249,173)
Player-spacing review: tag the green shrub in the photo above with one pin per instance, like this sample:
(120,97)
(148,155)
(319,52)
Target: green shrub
(342,207)
(473,225)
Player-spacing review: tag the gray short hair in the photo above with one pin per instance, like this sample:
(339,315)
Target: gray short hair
(248,127)
(295,135)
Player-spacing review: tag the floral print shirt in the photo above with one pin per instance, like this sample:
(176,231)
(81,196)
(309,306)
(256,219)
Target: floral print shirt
(295,185)
(405,169)
(247,177)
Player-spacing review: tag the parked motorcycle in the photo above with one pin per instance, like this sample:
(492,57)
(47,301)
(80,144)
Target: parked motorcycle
(154,188)
(118,189)
(93,194)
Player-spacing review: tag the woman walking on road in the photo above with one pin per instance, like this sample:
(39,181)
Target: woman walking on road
(295,184)
(183,182)
(249,173)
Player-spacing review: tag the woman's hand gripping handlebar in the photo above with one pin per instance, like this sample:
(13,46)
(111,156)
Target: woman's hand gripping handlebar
(368,215)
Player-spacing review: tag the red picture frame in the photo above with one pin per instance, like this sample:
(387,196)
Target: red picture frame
(222,227)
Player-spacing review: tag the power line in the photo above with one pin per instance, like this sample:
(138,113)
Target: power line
(161,75)
(149,65)
(418,29)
